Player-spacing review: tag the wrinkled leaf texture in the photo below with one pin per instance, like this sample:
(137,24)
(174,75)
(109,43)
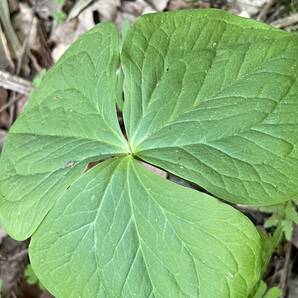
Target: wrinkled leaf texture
(209,97)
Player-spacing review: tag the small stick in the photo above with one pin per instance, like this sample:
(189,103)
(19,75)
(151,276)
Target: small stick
(10,103)
(285,272)
(286,22)
(14,83)
(264,11)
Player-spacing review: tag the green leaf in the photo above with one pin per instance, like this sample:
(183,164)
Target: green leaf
(122,231)
(272,221)
(269,244)
(263,292)
(126,25)
(287,227)
(273,293)
(291,212)
(31,277)
(212,98)
(284,215)
(70,121)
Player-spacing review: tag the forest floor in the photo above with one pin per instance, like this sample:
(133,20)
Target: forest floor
(35,33)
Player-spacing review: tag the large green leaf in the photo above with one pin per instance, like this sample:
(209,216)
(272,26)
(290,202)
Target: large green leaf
(208,96)
(213,98)
(70,120)
(122,231)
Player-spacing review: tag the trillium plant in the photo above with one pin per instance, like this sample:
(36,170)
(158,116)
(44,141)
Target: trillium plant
(209,97)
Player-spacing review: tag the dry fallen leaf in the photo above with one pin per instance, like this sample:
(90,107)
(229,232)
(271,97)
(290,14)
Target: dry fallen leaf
(21,103)
(12,263)
(8,29)
(46,8)
(248,8)
(63,35)
(182,4)
(131,10)
(25,24)
(105,9)
(77,8)
(159,5)
(6,62)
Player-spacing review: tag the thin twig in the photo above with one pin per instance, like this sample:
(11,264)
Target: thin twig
(12,106)
(285,272)
(286,22)
(10,103)
(14,83)
(262,15)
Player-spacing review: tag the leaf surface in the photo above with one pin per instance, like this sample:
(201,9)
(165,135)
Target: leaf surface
(213,98)
(122,231)
(70,120)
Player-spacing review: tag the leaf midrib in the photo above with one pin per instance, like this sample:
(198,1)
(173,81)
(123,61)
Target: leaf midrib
(135,224)
(258,69)
(133,169)
(213,98)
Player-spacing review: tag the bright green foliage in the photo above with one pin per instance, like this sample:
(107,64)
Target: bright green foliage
(229,120)
(137,233)
(70,120)
(208,96)
(269,244)
(284,215)
(264,292)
